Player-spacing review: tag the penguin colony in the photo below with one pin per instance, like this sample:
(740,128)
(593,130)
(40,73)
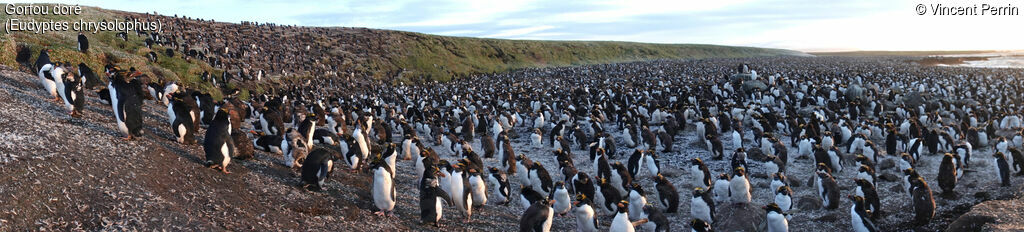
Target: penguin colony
(612,143)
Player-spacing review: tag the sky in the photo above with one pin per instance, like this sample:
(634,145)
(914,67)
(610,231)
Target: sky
(805,25)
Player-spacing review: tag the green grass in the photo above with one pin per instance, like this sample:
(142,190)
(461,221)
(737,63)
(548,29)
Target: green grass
(442,57)
(419,57)
(898,53)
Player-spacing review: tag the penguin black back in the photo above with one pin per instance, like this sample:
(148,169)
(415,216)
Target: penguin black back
(317,168)
(217,143)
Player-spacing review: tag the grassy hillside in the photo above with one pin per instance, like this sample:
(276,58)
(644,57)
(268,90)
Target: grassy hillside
(406,56)
(442,57)
(897,53)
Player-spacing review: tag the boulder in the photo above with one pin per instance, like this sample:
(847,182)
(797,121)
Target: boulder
(738,217)
(754,85)
(886,164)
(889,177)
(808,203)
(855,92)
(913,99)
(995,215)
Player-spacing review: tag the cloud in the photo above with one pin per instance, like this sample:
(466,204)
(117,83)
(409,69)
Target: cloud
(790,24)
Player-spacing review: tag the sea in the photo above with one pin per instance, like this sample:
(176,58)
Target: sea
(994,60)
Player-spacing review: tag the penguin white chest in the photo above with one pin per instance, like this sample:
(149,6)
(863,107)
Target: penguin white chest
(621,223)
(700,209)
(382,190)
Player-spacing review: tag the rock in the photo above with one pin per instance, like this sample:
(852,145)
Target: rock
(739,77)
(889,177)
(854,92)
(897,189)
(983,195)
(886,164)
(795,184)
(913,100)
(808,203)
(738,217)
(827,218)
(762,185)
(757,85)
(995,215)
(243,145)
(970,223)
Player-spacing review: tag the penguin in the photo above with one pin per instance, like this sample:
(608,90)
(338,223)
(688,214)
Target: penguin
(701,205)
(638,197)
(828,190)
(699,174)
(861,159)
(697,225)
(739,159)
(540,180)
(947,175)
(316,169)
(324,136)
(775,219)
(667,194)
(350,152)
(527,196)
(1018,160)
(1002,169)
(561,197)
(586,220)
(607,196)
(653,165)
(656,221)
(538,217)
(721,188)
(477,186)
(963,150)
(537,138)
(87,74)
(182,126)
(739,186)
(48,81)
(73,93)
(906,161)
(206,107)
(924,204)
(499,182)
(390,156)
(523,166)
(620,178)
(217,144)
(784,198)
(621,221)
(431,197)
(582,184)
(779,179)
(363,144)
(460,192)
(867,173)
(860,218)
(83,43)
(635,163)
(305,130)
(383,190)
(867,191)
(715,147)
(737,140)
(126,100)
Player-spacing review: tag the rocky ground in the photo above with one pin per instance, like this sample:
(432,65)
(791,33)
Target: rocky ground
(63,173)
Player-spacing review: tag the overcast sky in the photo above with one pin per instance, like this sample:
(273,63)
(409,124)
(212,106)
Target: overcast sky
(806,25)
